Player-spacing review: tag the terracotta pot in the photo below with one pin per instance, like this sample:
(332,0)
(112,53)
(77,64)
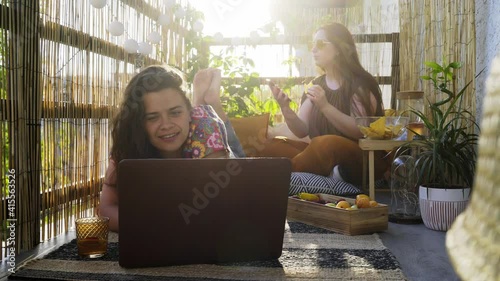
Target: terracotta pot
(439,206)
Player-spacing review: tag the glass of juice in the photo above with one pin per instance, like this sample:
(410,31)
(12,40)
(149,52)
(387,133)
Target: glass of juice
(92,236)
(406,103)
(414,128)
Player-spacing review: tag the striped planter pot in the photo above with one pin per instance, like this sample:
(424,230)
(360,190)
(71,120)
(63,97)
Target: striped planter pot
(439,207)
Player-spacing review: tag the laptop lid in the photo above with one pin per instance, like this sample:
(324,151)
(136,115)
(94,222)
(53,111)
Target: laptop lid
(183,211)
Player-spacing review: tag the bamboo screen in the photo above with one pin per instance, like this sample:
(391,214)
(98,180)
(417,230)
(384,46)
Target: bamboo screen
(61,79)
(441,31)
(371,22)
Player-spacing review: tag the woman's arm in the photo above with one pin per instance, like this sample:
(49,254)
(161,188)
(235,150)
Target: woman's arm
(298,124)
(343,122)
(108,206)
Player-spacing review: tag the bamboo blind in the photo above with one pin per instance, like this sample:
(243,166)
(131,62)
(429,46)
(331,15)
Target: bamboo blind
(438,31)
(375,18)
(63,81)
(60,85)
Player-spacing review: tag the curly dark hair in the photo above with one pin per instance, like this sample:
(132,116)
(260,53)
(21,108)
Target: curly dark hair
(130,140)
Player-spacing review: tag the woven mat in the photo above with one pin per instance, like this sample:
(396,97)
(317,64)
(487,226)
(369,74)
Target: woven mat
(309,253)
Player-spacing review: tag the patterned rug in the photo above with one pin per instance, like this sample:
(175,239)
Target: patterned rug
(309,253)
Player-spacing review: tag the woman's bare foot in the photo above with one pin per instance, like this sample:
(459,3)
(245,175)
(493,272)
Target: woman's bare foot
(201,83)
(212,96)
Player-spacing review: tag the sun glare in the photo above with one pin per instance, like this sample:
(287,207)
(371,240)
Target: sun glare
(233,18)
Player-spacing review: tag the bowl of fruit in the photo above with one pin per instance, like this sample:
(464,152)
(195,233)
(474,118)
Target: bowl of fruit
(382,127)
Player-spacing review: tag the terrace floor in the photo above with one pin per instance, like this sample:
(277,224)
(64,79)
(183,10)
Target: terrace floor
(420,251)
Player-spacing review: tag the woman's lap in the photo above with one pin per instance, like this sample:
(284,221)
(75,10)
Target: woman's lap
(322,155)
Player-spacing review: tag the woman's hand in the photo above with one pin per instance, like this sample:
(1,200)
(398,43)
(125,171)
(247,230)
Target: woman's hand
(282,98)
(317,96)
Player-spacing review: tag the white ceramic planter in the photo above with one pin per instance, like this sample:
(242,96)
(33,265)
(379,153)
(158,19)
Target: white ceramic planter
(439,207)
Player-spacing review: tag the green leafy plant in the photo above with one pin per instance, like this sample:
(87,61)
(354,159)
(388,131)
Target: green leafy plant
(242,95)
(446,156)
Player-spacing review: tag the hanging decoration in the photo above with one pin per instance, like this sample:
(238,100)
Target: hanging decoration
(163,20)
(254,37)
(300,52)
(198,26)
(116,28)
(280,38)
(218,37)
(169,3)
(144,48)
(154,37)
(236,41)
(180,13)
(98,4)
(131,46)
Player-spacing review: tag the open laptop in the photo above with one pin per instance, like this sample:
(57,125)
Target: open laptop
(184,211)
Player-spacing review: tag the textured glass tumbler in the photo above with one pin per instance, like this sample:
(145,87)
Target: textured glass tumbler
(92,236)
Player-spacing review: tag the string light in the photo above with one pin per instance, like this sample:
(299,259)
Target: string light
(98,4)
(144,48)
(154,37)
(163,20)
(198,26)
(131,46)
(218,37)
(180,13)
(116,28)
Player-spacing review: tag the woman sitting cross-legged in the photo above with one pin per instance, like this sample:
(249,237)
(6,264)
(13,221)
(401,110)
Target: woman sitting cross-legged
(328,110)
(157,120)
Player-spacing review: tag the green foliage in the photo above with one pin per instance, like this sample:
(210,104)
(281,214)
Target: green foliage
(241,95)
(447,155)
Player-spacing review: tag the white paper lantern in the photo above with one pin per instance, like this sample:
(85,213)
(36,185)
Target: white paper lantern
(180,13)
(169,3)
(218,37)
(116,28)
(130,46)
(280,38)
(98,4)
(300,52)
(254,37)
(154,37)
(163,19)
(236,41)
(145,48)
(198,26)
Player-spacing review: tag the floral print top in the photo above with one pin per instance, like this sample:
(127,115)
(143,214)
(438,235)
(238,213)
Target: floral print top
(207,133)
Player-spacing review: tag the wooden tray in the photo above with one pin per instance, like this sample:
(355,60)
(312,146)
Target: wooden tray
(349,222)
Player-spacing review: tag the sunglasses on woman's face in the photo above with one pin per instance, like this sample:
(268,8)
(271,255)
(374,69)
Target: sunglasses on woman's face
(319,44)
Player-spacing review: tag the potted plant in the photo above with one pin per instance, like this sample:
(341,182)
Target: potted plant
(445,158)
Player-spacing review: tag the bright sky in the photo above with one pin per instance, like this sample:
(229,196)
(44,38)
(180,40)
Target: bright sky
(233,18)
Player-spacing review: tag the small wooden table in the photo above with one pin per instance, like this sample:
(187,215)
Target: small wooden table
(371,146)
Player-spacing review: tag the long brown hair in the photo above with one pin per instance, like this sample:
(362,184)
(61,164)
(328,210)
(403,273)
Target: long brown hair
(354,79)
(130,140)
